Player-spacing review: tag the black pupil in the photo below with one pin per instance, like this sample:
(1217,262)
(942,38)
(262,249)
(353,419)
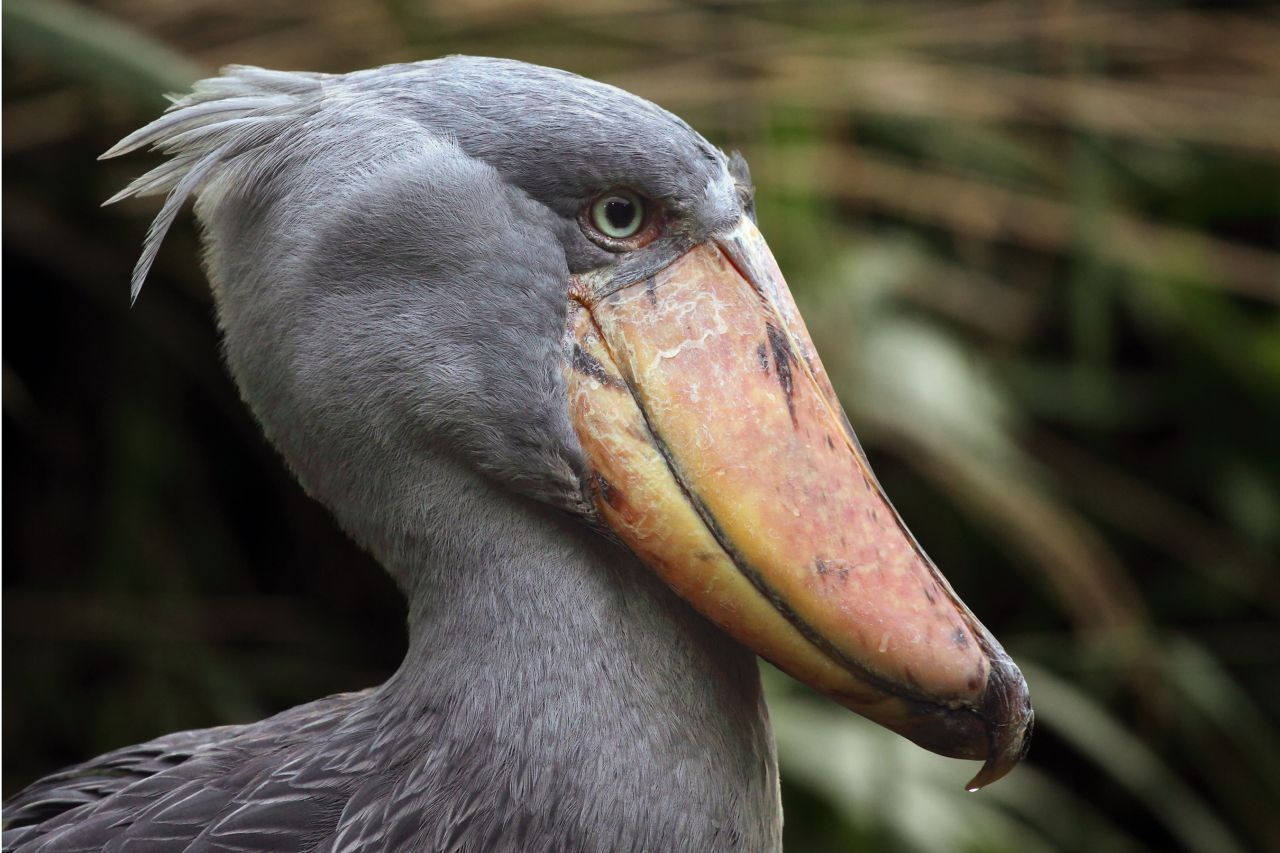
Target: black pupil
(620,212)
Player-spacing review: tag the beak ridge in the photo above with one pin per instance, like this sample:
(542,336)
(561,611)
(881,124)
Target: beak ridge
(731,469)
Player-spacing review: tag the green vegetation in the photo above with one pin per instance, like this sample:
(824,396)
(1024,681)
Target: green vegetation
(1039,247)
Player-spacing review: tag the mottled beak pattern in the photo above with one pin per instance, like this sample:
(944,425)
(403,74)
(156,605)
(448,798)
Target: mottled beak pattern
(721,456)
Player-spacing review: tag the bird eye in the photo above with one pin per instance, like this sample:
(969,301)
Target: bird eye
(618,214)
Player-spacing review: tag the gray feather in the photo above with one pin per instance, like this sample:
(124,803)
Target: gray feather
(389,252)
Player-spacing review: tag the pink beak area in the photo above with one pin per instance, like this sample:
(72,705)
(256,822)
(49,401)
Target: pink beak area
(720,455)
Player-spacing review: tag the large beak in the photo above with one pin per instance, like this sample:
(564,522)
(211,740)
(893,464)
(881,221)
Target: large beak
(720,455)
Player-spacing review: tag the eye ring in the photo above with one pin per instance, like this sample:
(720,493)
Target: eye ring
(618,214)
(619,219)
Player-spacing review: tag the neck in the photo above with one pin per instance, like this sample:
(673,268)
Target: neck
(553,661)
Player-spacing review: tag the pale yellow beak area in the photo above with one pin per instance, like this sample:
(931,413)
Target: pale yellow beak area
(721,456)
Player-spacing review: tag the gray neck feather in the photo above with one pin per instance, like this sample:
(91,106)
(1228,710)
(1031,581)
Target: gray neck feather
(554,681)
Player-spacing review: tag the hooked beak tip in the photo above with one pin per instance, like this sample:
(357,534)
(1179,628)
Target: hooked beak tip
(1007,711)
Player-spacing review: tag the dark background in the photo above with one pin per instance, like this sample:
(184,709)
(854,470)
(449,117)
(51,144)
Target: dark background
(1039,247)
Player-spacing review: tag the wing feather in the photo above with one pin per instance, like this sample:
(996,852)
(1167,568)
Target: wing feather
(269,786)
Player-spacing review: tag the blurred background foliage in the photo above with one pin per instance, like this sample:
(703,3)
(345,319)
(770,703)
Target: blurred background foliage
(1038,244)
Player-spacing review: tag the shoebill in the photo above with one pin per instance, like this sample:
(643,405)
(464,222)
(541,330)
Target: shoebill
(519,332)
